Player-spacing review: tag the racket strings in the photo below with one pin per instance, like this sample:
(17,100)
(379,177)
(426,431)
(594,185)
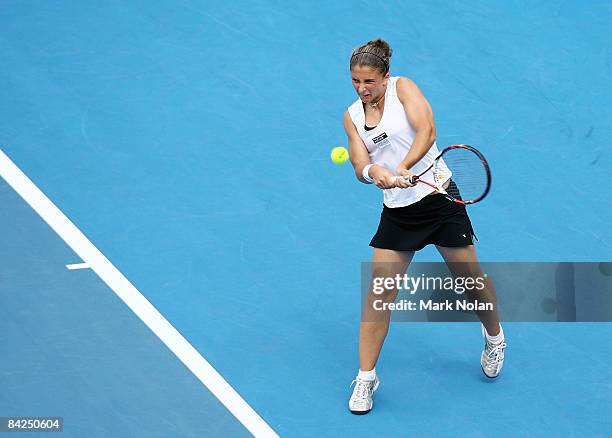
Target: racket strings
(470,178)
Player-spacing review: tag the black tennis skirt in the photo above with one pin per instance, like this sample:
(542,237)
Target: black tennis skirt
(432,220)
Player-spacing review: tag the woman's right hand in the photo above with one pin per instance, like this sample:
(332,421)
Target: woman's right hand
(383,177)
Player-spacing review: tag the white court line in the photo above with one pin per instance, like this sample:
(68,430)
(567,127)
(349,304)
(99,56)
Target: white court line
(77,266)
(133,298)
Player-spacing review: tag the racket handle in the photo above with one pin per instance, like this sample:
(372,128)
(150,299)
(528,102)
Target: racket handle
(413,179)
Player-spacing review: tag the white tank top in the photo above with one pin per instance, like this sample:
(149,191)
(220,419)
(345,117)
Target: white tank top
(389,143)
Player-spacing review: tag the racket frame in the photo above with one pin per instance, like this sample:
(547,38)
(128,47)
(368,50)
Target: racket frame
(416,178)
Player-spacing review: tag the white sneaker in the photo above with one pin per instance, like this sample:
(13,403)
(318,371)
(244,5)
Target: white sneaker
(492,357)
(361,400)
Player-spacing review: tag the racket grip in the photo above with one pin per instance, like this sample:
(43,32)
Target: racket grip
(412,179)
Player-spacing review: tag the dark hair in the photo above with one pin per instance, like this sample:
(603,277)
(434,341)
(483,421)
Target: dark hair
(375,54)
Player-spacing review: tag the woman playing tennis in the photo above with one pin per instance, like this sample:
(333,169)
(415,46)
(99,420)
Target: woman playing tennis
(391,136)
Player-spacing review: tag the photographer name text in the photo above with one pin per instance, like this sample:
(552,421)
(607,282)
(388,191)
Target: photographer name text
(431,305)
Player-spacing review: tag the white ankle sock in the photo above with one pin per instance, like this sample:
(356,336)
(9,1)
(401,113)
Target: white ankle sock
(367,375)
(497,338)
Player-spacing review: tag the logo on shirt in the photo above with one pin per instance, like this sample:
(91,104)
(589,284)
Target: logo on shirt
(379,138)
(381,141)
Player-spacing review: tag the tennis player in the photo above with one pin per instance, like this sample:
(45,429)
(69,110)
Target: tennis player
(391,134)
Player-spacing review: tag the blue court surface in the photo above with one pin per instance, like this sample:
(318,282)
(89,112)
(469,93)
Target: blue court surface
(214,290)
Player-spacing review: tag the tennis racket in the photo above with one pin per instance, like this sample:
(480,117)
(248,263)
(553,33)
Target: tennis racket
(465,170)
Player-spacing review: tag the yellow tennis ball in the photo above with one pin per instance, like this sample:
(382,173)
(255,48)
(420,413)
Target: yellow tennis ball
(339,155)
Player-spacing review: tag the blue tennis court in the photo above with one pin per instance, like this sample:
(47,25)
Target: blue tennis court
(180,257)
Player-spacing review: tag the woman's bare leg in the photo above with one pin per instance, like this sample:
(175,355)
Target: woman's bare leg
(375,324)
(463,262)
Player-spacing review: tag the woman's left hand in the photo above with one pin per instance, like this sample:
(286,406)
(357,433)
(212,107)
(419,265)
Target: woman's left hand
(404,177)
